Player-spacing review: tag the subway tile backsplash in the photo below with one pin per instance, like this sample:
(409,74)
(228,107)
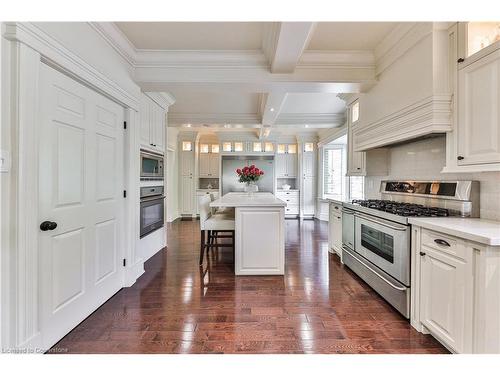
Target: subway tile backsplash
(423,160)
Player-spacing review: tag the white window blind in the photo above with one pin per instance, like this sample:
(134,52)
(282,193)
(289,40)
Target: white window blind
(332,173)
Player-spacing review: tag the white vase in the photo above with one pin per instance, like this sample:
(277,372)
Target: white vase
(251,188)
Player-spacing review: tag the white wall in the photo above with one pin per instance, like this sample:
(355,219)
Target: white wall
(424,160)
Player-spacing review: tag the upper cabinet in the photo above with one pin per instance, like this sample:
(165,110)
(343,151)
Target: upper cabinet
(152,125)
(474,144)
(476,39)
(286,161)
(478,130)
(209,160)
(355,160)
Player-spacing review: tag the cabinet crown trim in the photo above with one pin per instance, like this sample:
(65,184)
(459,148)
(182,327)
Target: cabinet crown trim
(427,116)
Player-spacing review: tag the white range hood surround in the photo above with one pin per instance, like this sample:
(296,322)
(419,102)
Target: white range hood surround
(413,96)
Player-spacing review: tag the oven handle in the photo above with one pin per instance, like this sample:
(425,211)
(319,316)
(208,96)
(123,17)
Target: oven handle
(377,274)
(384,223)
(153,198)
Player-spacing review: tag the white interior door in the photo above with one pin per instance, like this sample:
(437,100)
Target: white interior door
(80,189)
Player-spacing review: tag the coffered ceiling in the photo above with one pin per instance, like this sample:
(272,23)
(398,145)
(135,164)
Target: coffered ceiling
(272,76)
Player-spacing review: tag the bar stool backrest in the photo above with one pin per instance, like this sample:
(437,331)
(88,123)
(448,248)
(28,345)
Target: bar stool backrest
(205,211)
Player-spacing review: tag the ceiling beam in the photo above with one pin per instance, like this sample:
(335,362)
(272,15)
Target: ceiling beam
(285,43)
(270,108)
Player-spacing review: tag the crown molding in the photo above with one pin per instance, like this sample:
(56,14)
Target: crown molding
(398,42)
(57,55)
(322,59)
(348,98)
(116,39)
(310,119)
(163,99)
(196,119)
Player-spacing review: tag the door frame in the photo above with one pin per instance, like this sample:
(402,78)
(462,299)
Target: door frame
(28,47)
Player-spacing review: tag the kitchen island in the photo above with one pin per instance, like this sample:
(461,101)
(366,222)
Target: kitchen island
(259,232)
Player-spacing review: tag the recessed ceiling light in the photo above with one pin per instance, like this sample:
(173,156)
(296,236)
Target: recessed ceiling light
(306,125)
(227,125)
(188,125)
(272,109)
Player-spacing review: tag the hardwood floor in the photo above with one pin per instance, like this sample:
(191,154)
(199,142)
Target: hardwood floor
(319,306)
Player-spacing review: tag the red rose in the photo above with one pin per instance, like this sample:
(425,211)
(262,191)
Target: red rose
(261,173)
(238,171)
(245,169)
(252,166)
(257,170)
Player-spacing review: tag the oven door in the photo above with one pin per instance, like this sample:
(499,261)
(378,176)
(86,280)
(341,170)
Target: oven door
(384,243)
(152,214)
(151,166)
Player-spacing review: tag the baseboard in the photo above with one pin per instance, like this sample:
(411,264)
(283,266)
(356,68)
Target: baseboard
(132,273)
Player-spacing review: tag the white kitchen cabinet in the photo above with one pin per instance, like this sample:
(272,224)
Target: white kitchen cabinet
(209,165)
(292,199)
(444,296)
(335,228)
(309,183)
(187,195)
(286,165)
(152,125)
(478,130)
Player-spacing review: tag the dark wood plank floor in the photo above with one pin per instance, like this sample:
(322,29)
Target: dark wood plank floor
(319,306)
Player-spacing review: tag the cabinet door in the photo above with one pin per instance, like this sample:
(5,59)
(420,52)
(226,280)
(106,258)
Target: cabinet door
(309,164)
(355,160)
(144,116)
(291,165)
(281,165)
(331,229)
(337,233)
(187,163)
(204,165)
(479,114)
(309,195)
(445,294)
(214,165)
(187,193)
(159,134)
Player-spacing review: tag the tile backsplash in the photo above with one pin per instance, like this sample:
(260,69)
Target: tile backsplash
(424,159)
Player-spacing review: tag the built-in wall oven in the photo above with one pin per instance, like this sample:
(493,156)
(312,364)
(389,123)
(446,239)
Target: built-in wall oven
(152,209)
(151,166)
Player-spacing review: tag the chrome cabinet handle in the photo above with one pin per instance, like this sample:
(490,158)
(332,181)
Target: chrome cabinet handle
(441,242)
(422,254)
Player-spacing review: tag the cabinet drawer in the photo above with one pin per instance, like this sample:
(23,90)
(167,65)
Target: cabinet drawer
(443,243)
(287,194)
(291,210)
(337,208)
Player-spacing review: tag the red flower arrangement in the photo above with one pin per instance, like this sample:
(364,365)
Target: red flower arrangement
(249,174)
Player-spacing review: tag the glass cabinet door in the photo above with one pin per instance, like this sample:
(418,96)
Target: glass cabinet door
(481,35)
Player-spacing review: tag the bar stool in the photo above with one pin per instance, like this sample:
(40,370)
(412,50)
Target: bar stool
(213,224)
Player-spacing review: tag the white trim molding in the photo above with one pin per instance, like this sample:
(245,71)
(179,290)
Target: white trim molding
(178,119)
(55,54)
(428,116)
(330,119)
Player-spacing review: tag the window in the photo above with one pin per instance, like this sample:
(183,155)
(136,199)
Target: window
(238,146)
(257,146)
(269,147)
(355,112)
(204,148)
(333,174)
(308,147)
(187,146)
(281,149)
(226,147)
(215,149)
(357,187)
(292,149)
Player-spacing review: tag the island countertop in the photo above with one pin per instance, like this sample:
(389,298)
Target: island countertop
(244,200)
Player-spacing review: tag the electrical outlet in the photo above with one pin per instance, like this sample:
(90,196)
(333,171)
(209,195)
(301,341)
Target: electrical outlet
(4,161)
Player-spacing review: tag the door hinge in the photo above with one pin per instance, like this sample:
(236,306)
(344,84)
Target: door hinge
(124,193)
(124,262)
(125,125)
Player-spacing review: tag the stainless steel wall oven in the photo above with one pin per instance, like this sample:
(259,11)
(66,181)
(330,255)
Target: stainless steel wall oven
(152,209)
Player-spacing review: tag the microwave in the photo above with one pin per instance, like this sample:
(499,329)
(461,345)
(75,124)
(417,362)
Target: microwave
(151,166)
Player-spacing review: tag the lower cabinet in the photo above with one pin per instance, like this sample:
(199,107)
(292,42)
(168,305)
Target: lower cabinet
(335,228)
(444,297)
(291,197)
(187,195)
(309,196)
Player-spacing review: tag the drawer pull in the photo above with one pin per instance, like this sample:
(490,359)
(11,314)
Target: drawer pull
(422,254)
(441,242)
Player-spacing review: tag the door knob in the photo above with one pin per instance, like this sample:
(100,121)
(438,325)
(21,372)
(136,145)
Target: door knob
(48,225)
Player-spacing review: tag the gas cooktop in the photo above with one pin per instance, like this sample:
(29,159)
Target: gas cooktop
(402,208)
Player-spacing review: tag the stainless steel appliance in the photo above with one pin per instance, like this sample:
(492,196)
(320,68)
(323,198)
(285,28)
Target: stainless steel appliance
(152,209)
(380,254)
(151,166)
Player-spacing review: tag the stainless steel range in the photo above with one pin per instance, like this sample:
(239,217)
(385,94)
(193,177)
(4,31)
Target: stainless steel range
(376,235)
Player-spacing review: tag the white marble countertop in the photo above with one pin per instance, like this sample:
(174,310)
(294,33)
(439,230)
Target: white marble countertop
(479,230)
(336,201)
(245,200)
